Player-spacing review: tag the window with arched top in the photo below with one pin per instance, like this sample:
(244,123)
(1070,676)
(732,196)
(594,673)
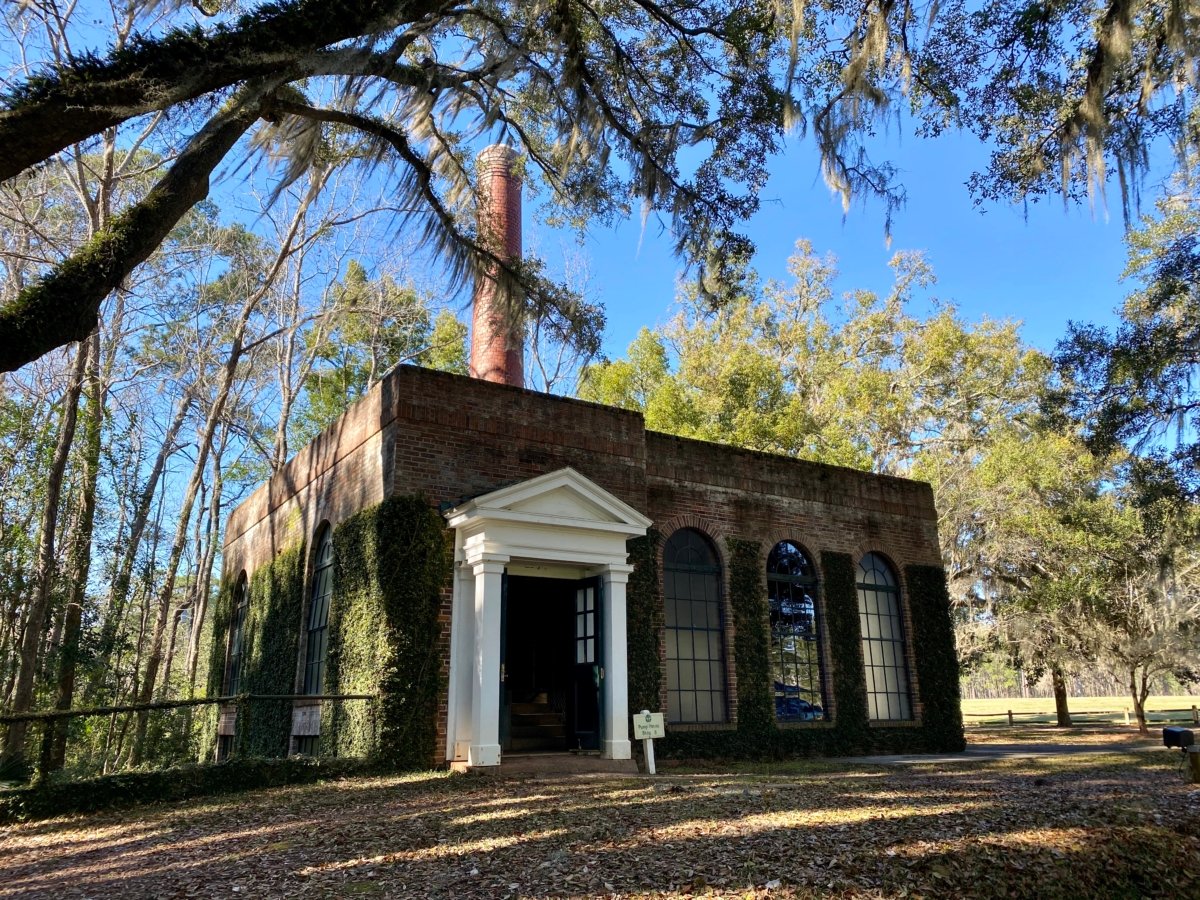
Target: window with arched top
(317,646)
(237,637)
(797,678)
(694,629)
(884,654)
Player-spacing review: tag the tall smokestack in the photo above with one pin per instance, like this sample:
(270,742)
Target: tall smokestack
(497,341)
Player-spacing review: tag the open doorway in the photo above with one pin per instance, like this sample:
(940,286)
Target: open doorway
(550,698)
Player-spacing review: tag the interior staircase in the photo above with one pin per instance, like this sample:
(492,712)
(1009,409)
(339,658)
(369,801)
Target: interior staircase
(537,726)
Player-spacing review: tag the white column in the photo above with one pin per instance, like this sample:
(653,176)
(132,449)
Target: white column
(460,693)
(485,703)
(614,730)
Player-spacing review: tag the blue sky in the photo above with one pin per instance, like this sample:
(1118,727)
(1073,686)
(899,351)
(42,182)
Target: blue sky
(1043,266)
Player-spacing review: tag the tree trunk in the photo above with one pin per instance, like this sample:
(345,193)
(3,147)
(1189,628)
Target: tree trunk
(1139,699)
(119,595)
(80,557)
(237,349)
(1060,697)
(14,743)
(204,589)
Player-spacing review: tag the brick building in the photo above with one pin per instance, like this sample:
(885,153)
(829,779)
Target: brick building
(818,576)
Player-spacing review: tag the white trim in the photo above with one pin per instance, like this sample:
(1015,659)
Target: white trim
(555,525)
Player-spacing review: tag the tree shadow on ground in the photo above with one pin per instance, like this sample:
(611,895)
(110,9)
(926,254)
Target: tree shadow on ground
(1068,827)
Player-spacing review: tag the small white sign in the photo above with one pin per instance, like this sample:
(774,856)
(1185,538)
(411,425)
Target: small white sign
(648,725)
(306,721)
(227,720)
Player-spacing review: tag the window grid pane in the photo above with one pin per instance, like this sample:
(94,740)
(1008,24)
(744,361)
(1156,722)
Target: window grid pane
(317,645)
(888,692)
(237,627)
(694,634)
(797,677)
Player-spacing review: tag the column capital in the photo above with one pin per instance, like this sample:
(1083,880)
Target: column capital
(487,564)
(616,572)
(484,562)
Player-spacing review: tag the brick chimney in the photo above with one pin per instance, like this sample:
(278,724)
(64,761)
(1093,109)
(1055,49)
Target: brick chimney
(497,341)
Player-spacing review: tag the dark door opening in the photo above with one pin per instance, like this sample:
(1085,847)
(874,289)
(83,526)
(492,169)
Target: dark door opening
(550,699)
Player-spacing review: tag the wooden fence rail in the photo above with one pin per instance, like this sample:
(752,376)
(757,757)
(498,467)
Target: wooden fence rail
(1193,712)
(48,717)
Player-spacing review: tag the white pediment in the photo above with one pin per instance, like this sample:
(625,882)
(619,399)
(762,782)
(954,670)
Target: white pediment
(563,498)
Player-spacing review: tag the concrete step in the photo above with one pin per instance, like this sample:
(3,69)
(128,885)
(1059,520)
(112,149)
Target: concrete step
(558,731)
(531,709)
(558,765)
(548,719)
(541,742)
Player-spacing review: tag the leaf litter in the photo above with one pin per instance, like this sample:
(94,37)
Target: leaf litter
(1069,826)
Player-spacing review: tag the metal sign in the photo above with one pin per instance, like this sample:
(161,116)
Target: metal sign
(648,725)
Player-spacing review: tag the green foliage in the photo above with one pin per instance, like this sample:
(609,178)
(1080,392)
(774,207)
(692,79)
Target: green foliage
(644,623)
(272,646)
(377,323)
(64,797)
(860,381)
(220,617)
(748,600)
(1137,385)
(933,647)
(845,645)
(447,345)
(391,564)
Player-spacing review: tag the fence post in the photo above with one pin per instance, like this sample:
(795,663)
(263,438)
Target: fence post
(1010,718)
(1127,715)
(242,718)
(1195,715)
(44,752)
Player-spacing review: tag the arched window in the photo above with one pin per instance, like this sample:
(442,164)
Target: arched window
(694,632)
(318,614)
(796,675)
(888,694)
(237,637)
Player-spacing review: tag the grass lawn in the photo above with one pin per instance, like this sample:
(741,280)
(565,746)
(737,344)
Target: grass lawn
(1095,709)
(1118,823)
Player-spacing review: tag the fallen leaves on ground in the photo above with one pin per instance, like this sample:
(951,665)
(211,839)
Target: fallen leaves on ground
(1067,826)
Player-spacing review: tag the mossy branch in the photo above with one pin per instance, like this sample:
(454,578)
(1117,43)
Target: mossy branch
(64,306)
(88,94)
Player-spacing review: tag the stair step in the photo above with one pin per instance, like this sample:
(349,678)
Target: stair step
(536,743)
(537,718)
(531,708)
(533,731)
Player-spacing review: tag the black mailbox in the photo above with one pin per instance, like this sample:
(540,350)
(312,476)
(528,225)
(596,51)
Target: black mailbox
(1174,736)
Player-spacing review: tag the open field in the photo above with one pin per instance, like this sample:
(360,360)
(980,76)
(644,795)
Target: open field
(1087,709)
(1117,823)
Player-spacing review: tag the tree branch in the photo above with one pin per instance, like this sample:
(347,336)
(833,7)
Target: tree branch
(76,102)
(64,306)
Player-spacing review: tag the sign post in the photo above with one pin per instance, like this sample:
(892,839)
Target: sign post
(648,726)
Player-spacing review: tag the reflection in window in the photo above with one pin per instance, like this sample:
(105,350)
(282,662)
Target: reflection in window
(694,632)
(318,615)
(888,695)
(237,636)
(795,635)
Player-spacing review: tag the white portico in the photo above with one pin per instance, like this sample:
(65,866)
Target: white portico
(556,526)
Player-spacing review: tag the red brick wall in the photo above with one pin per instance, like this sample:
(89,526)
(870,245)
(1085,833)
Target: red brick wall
(341,472)
(451,438)
(456,438)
